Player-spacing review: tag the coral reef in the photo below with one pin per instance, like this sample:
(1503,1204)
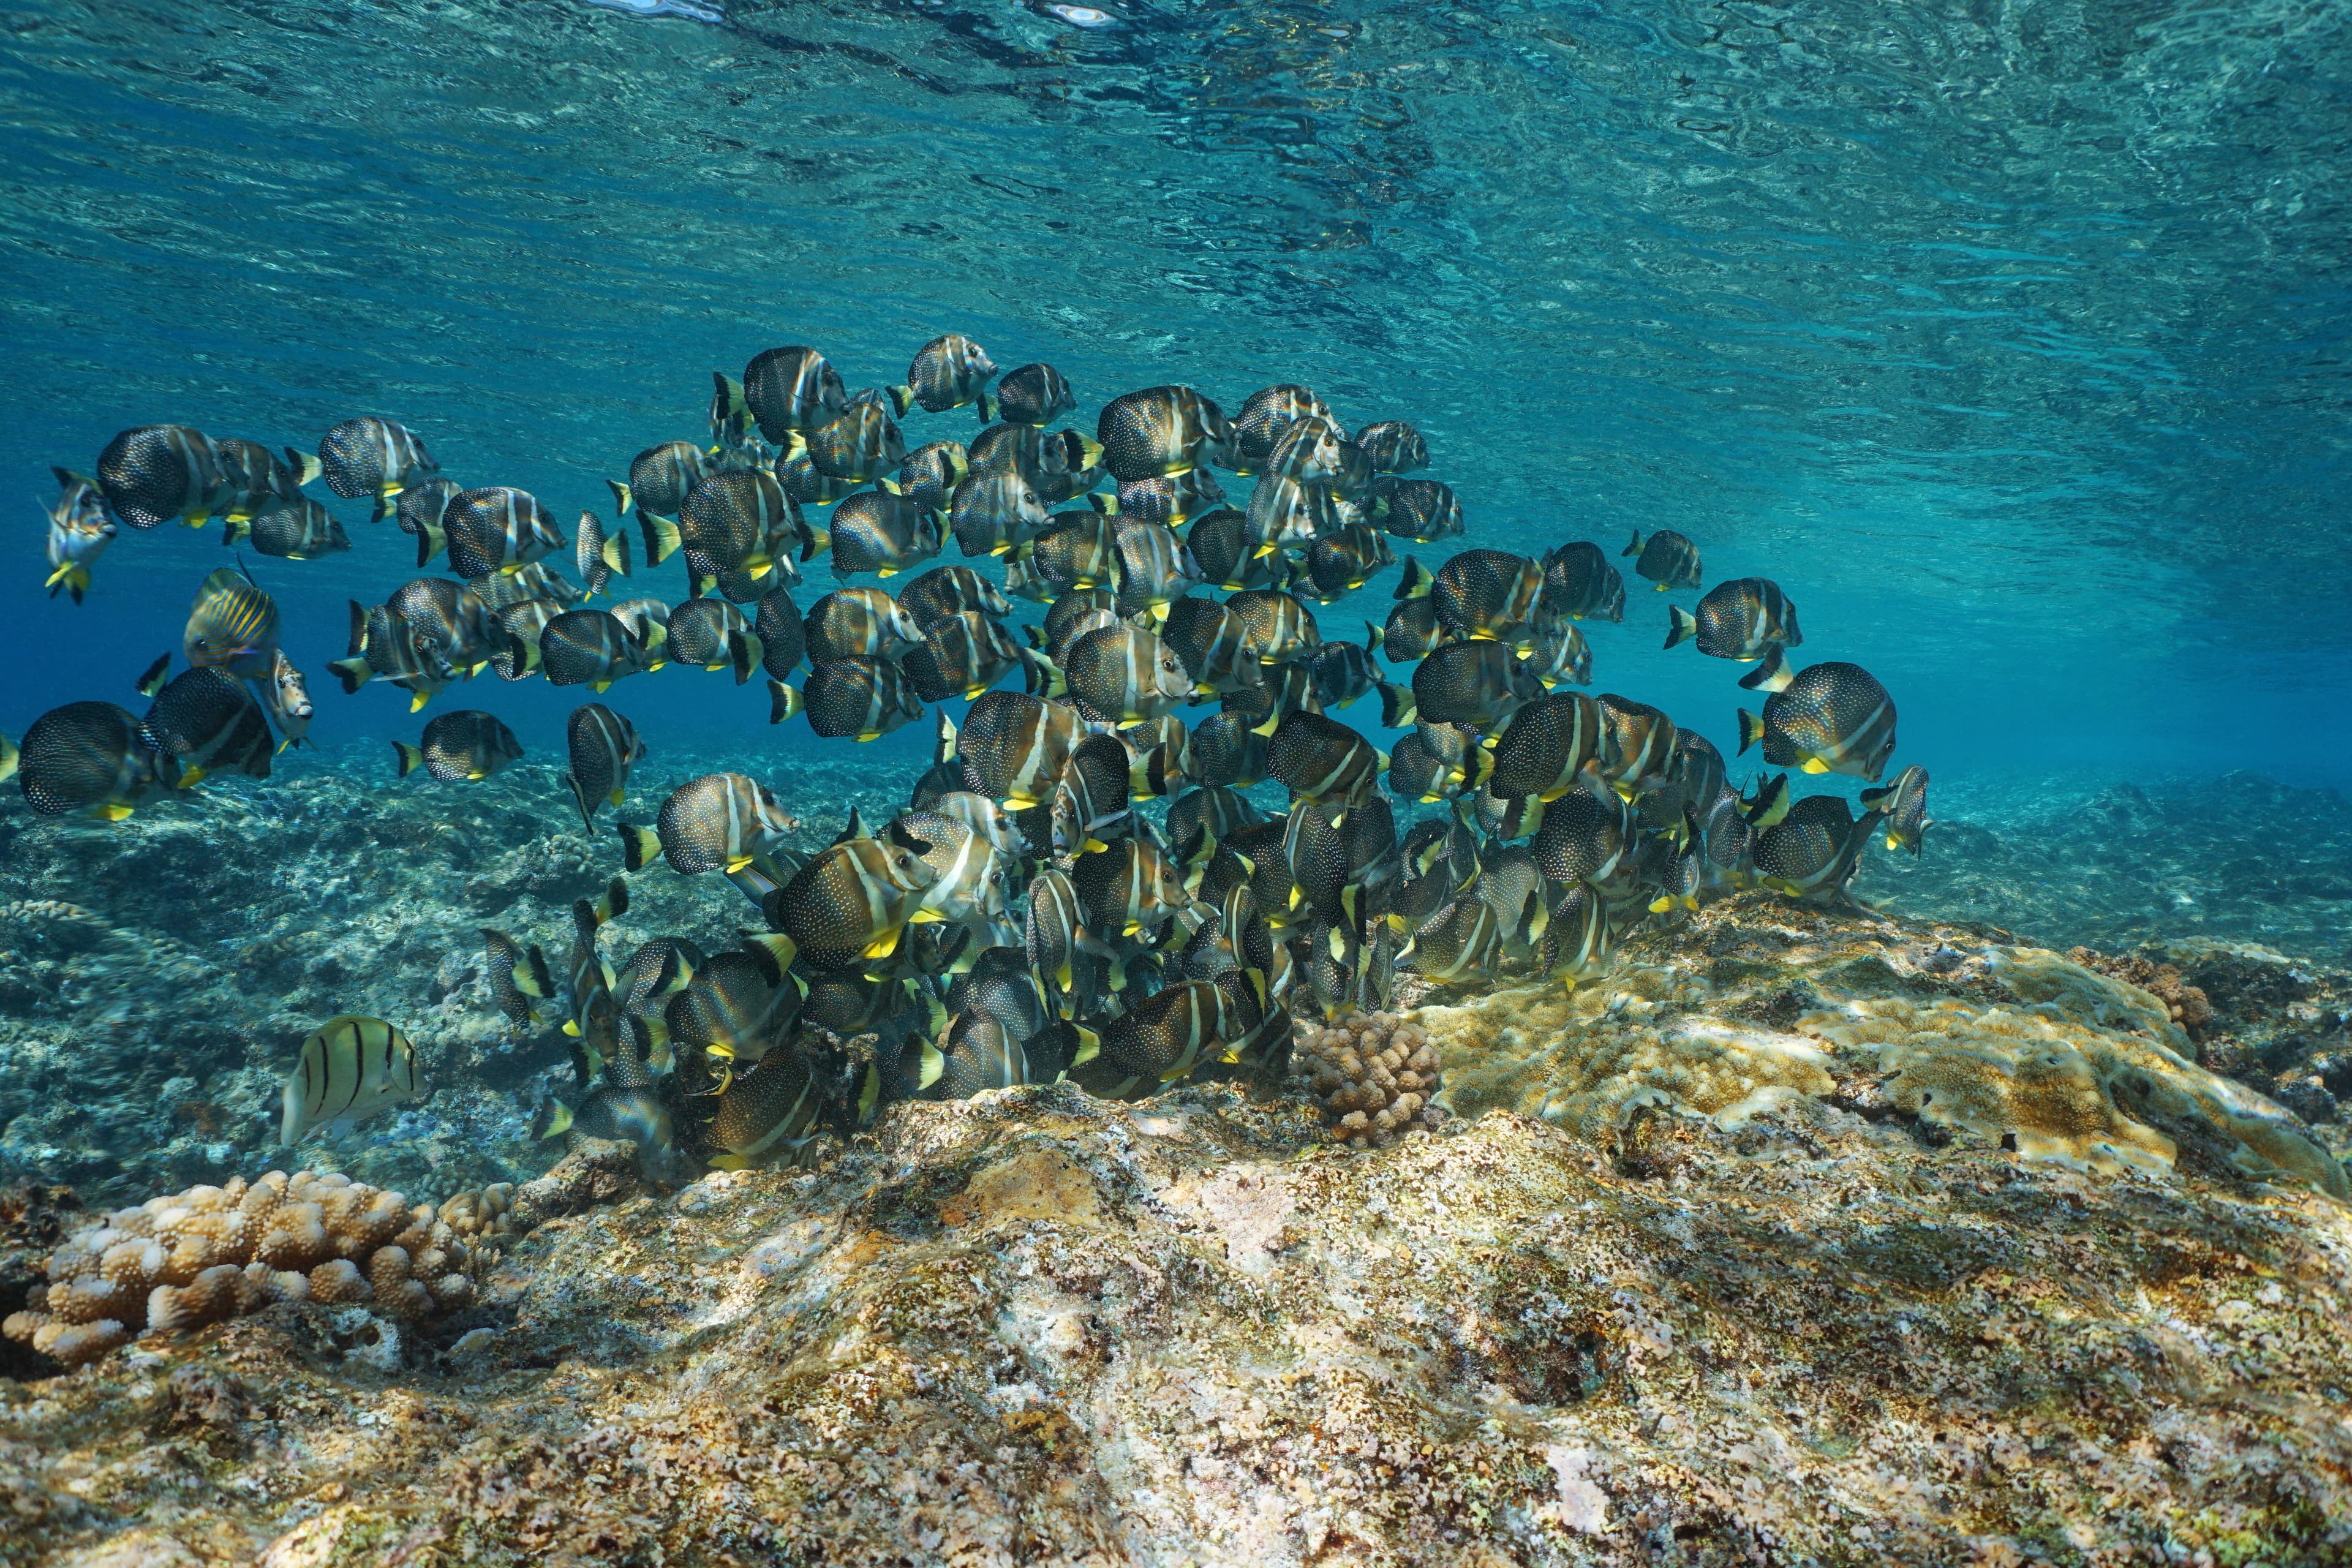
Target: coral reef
(1035,1327)
(146,1035)
(1756,1003)
(177,1263)
(1796,1236)
(1373,1075)
(2186,1005)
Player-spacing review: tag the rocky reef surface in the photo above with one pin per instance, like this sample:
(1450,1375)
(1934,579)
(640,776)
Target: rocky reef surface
(1799,1236)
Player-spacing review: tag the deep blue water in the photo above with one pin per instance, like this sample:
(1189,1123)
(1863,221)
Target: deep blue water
(2009,338)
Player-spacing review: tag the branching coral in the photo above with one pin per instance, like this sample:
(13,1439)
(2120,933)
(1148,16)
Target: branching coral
(178,1262)
(1374,1075)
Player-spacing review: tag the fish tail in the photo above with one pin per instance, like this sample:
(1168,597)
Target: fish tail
(1635,546)
(409,758)
(622,498)
(639,844)
(1681,625)
(661,537)
(352,672)
(305,465)
(783,701)
(902,397)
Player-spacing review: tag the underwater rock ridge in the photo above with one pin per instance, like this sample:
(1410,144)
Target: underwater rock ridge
(1035,1326)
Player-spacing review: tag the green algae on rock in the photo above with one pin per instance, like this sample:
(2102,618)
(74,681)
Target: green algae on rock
(1755,1001)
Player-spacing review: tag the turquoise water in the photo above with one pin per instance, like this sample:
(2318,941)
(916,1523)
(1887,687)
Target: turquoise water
(2008,338)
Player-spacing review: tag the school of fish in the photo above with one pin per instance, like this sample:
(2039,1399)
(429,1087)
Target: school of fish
(1023,919)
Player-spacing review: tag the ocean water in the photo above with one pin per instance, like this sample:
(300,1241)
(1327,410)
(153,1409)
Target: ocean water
(2008,338)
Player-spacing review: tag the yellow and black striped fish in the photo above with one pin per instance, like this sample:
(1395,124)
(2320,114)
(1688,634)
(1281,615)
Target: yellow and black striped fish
(210,722)
(1394,447)
(1742,619)
(232,626)
(1282,626)
(929,475)
(1320,759)
(1121,675)
(1033,395)
(1666,559)
(350,1067)
(1012,746)
(715,635)
(859,444)
(1263,418)
(857,697)
(1480,684)
(1547,747)
(1905,802)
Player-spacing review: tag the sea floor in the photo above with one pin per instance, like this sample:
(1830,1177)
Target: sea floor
(1800,1237)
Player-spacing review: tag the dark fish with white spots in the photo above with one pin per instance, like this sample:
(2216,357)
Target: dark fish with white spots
(464,746)
(1833,718)
(601,747)
(1666,558)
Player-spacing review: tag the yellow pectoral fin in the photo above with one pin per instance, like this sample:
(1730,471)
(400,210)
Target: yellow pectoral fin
(735,863)
(615,798)
(925,916)
(189,779)
(1132,927)
(571,1028)
(599,687)
(1815,765)
(882,946)
(869,735)
(887,572)
(112,812)
(419,700)
(198,518)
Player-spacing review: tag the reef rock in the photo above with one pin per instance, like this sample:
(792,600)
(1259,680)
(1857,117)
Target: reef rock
(1724,1258)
